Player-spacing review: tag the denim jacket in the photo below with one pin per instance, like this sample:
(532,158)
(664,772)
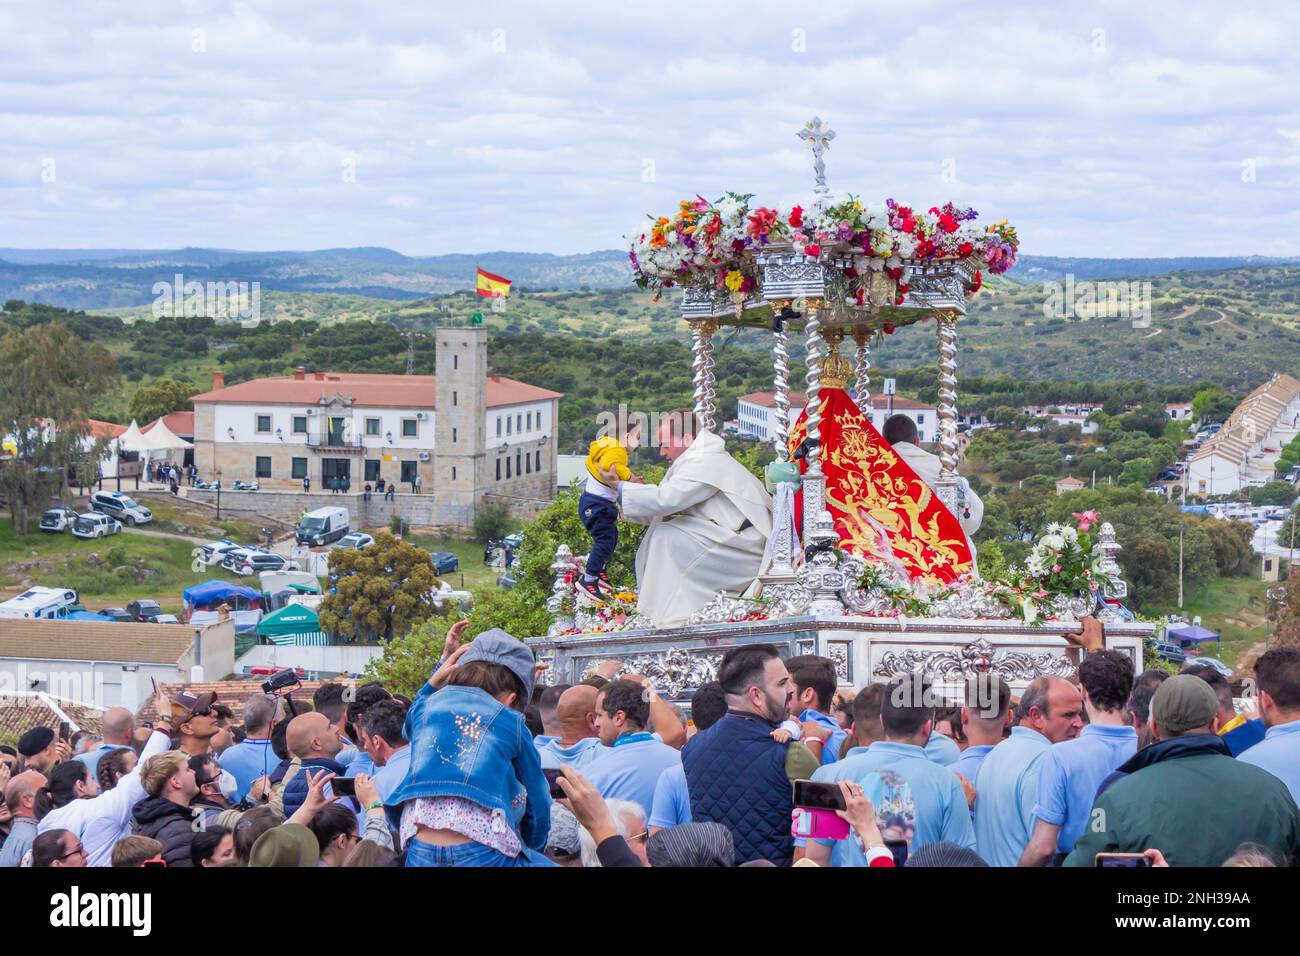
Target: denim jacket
(465,743)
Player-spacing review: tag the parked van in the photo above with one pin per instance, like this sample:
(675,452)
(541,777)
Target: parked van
(323,526)
(39,602)
(122,507)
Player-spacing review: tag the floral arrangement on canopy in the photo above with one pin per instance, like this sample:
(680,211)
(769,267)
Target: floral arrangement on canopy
(712,245)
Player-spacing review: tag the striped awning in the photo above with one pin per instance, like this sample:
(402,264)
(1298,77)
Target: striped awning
(305,639)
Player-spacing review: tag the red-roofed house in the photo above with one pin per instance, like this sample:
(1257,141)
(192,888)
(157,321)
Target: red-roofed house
(464,433)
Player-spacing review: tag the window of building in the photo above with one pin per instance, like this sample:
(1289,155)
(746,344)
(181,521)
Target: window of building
(498,469)
(372,469)
(300,468)
(510,425)
(453,472)
(263,466)
(300,424)
(372,426)
(519,423)
(263,424)
(528,464)
(455,361)
(507,467)
(455,398)
(920,419)
(530,421)
(453,436)
(518,470)
(539,461)
(498,426)
(409,471)
(410,428)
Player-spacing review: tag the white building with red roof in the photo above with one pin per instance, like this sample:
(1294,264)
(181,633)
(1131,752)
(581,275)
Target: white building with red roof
(464,433)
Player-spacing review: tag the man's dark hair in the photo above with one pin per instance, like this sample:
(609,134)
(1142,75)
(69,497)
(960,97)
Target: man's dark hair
(1107,676)
(595,680)
(1218,683)
(742,667)
(1144,688)
(809,670)
(550,698)
(48,847)
(367,694)
(629,697)
(205,769)
(899,428)
(903,711)
(206,841)
(988,696)
(533,720)
(867,708)
(1035,695)
(328,700)
(386,720)
(330,822)
(1277,673)
(708,705)
(278,743)
(60,786)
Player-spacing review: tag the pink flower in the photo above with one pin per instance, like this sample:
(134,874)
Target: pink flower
(1086,520)
(1056,569)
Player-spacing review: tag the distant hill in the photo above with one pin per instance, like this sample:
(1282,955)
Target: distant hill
(118,278)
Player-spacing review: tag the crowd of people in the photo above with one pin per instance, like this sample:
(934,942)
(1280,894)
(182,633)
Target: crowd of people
(489,766)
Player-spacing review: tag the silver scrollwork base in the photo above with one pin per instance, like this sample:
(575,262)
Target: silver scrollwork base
(977,657)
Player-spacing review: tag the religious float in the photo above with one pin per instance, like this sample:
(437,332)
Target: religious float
(865,563)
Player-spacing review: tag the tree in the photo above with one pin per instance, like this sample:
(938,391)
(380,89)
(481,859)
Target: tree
(491,520)
(1212,404)
(161,398)
(408,661)
(1280,493)
(380,591)
(49,382)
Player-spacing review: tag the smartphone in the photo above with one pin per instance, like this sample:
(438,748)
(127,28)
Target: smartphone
(65,730)
(899,849)
(1127,860)
(818,796)
(157,861)
(344,786)
(552,780)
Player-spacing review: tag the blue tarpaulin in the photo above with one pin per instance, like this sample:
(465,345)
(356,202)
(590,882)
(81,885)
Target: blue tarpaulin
(216,592)
(87,616)
(1191,634)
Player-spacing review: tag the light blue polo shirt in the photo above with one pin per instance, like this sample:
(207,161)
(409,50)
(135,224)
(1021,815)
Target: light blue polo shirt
(91,757)
(830,749)
(630,769)
(942,750)
(1279,754)
(968,764)
(1071,773)
(672,805)
(246,761)
(937,795)
(555,755)
(1005,790)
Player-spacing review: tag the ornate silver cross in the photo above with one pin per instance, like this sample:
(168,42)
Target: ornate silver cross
(817,136)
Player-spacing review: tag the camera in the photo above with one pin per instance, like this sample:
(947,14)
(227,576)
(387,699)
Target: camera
(279,681)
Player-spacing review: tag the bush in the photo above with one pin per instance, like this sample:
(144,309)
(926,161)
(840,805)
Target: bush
(491,521)
(399,525)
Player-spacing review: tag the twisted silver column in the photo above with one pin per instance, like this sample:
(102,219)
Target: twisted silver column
(947,331)
(862,371)
(703,373)
(781,382)
(814,484)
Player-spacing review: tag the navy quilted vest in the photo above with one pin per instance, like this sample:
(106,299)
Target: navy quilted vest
(735,773)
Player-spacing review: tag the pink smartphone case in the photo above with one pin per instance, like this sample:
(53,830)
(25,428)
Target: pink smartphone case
(813,824)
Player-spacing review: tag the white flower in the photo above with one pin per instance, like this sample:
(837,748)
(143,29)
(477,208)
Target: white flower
(730,208)
(1053,541)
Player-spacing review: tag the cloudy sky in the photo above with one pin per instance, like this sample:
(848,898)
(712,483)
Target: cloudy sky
(1098,128)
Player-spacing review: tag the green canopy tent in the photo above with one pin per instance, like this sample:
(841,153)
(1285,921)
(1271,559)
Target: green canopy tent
(293,624)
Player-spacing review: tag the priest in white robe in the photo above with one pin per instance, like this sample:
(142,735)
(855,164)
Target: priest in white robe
(709,520)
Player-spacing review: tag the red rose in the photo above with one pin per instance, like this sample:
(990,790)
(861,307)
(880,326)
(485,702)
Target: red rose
(948,223)
(908,224)
(965,250)
(813,250)
(796,216)
(888,328)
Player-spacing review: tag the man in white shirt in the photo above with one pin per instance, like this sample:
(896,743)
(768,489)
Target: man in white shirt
(900,432)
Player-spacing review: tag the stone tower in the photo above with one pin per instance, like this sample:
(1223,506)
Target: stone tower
(460,425)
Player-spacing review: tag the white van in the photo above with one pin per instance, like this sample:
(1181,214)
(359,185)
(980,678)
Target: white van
(322,526)
(38,602)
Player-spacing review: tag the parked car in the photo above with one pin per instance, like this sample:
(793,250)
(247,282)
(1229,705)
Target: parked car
(355,539)
(118,614)
(444,562)
(249,561)
(58,519)
(93,524)
(1214,662)
(246,486)
(214,552)
(1169,651)
(120,506)
(164,619)
(145,609)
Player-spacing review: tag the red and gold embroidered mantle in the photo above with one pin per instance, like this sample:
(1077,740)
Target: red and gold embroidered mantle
(866,478)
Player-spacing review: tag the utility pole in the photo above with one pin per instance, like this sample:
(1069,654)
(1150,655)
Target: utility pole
(1180,566)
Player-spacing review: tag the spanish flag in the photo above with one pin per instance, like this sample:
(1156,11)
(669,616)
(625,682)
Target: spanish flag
(493,286)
